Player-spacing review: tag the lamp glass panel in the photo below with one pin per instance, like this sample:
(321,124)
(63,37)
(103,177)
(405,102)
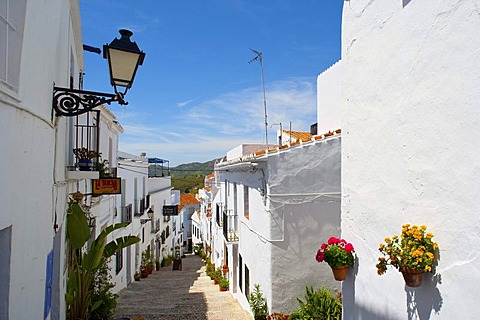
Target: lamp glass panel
(123,65)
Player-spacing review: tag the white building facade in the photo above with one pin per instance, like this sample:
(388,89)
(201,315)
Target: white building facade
(34,152)
(410,121)
(272,212)
(144,194)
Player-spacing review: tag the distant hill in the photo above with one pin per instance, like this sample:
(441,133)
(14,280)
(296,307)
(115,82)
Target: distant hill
(189,177)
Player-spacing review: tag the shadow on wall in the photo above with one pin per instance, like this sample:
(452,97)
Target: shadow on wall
(420,301)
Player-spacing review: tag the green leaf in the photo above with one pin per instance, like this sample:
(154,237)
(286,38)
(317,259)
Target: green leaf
(96,305)
(92,258)
(78,231)
(118,244)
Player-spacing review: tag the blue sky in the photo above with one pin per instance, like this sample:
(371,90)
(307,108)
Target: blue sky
(196,96)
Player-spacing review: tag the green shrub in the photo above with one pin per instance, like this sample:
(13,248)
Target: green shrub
(201,253)
(320,305)
(210,270)
(102,295)
(217,274)
(258,303)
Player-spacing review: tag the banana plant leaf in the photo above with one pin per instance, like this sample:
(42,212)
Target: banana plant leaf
(78,231)
(118,244)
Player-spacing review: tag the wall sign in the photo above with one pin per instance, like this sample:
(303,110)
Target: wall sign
(170,210)
(106,186)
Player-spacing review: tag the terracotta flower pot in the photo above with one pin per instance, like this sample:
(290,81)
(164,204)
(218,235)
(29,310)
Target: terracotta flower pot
(223,288)
(413,277)
(340,273)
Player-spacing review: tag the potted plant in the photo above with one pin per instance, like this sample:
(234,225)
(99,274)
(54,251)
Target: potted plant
(136,276)
(104,169)
(217,275)
(338,253)
(85,157)
(258,303)
(223,284)
(150,267)
(413,253)
(143,271)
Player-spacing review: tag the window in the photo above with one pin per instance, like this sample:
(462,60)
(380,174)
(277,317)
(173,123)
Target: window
(226,195)
(128,214)
(240,273)
(234,198)
(5,256)
(246,202)
(142,207)
(217,213)
(12,19)
(118,261)
(110,151)
(147,201)
(247,281)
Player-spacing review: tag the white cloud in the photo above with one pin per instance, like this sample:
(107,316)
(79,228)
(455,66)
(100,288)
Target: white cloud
(184,103)
(209,128)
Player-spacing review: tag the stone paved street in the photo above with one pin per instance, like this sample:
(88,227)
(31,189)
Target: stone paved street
(186,294)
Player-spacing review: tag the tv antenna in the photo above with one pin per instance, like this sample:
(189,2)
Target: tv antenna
(258,58)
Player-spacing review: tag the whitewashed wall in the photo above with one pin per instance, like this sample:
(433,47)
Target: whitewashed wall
(33,189)
(410,151)
(131,171)
(159,190)
(287,222)
(304,208)
(329,99)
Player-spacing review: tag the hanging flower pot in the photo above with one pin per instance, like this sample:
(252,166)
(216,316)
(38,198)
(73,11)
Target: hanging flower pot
(225,269)
(412,253)
(340,273)
(413,277)
(338,253)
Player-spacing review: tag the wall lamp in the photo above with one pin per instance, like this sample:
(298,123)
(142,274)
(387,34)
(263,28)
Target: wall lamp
(123,58)
(150,216)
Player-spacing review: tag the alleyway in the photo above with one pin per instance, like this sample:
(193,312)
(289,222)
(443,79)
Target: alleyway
(187,294)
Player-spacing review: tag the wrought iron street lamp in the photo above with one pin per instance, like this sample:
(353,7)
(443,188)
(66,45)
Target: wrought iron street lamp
(150,216)
(123,58)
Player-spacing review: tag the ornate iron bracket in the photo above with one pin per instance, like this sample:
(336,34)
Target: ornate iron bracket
(72,102)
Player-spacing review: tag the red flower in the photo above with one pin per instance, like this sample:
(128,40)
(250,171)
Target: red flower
(333,240)
(320,256)
(349,247)
(323,246)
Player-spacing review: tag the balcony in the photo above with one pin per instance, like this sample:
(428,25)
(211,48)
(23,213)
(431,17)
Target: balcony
(230,226)
(158,168)
(84,156)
